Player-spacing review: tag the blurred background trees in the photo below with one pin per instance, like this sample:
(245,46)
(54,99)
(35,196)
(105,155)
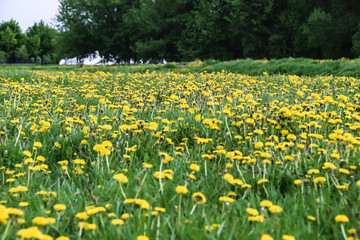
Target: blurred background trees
(182,30)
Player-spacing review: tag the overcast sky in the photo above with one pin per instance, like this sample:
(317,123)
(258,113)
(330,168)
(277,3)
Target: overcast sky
(27,12)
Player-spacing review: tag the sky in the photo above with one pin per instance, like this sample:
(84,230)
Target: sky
(27,12)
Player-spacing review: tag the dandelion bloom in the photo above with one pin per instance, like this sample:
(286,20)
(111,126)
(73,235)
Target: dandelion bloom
(3,214)
(23,204)
(287,237)
(275,209)
(266,203)
(329,166)
(195,167)
(258,218)
(59,207)
(31,232)
(37,144)
(229,178)
(259,145)
(82,215)
(199,198)
(41,221)
(117,222)
(62,238)
(147,165)
(125,216)
(91,226)
(266,237)
(27,153)
(226,199)
(341,219)
(181,190)
(252,211)
(311,218)
(291,137)
(319,180)
(261,181)
(297,181)
(15,212)
(142,237)
(121,178)
(288,158)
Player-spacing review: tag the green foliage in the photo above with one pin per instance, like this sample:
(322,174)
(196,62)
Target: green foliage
(216,29)
(39,40)
(297,66)
(11,38)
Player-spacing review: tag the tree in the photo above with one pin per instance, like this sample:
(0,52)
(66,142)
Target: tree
(39,40)
(11,39)
(77,36)
(97,25)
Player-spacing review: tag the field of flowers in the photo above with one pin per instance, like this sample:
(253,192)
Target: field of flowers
(178,156)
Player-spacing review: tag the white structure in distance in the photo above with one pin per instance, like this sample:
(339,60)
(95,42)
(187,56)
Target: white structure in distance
(91,59)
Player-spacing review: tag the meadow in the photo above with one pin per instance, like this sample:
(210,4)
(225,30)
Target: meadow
(170,154)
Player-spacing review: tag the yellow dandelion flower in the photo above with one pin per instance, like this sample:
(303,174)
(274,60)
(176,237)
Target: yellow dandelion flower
(15,212)
(266,203)
(266,237)
(31,232)
(125,216)
(297,181)
(181,190)
(121,178)
(195,167)
(62,238)
(229,178)
(261,181)
(258,145)
(27,153)
(199,198)
(37,145)
(252,211)
(341,219)
(23,204)
(142,237)
(319,180)
(117,222)
(329,166)
(275,209)
(311,218)
(288,237)
(59,207)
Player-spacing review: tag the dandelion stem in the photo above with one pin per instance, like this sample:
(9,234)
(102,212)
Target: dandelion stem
(80,232)
(193,209)
(161,186)
(205,169)
(267,195)
(343,231)
(18,136)
(227,125)
(179,212)
(142,182)
(107,162)
(6,230)
(122,191)
(157,229)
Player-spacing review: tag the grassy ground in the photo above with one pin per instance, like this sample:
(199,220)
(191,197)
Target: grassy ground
(298,66)
(172,155)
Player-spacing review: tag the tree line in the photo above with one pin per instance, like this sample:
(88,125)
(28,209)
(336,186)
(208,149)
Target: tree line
(36,45)
(183,30)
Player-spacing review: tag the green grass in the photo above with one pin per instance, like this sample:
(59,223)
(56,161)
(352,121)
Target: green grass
(61,110)
(297,66)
